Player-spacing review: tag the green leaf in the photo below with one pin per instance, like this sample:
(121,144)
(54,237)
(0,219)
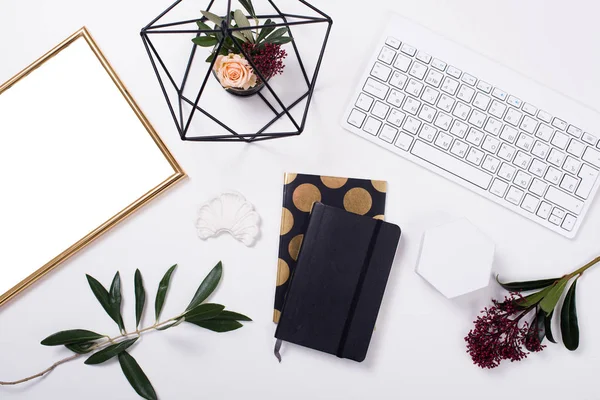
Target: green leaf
(548,327)
(70,337)
(80,348)
(526,286)
(242,22)
(534,298)
(212,17)
(115,300)
(239,36)
(104,298)
(540,321)
(163,287)
(217,325)
(281,40)
(550,300)
(140,297)
(276,34)
(109,352)
(569,325)
(204,27)
(264,32)
(205,41)
(247,4)
(171,325)
(233,316)
(204,311)
(136,377)
(210,57)
(207,286)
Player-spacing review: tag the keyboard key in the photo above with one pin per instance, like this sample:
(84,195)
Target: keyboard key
(514,195)
(475,137)
(528,124)
(569,223)
(427,113)
(411,125)
(388,133)
(556,157)
(438,64)
(530,203)
(459,129)
(376,88)
(364,102)
(380,110)
(522,179)
(484,86)
(451,165)
(499,188)
(417,70)
(414,87)
(556,220)
(356,118)
(515,102)
(499,94)
(381,71)
(571,165)
(544,116)
(404,141)
(402,63)
(407,49)
(525,142)
(592,156)
(393,42)
(544,210)
(477,118)
(423,57)
(455,72)
(590,139)
(560,140)
(411,106)
(509,134)
(443,121)
(576,148)
(396,98)
(544,132)
(553,175)
(493,126)
(434,78)
(459,148)
(469,79)
(461,111)
(430,95)
(529,109)
(490,144)
(465,93)
(372,126)
(396,117)
(506,152)
(507,172)
(428,133)
(443,141)
(588,176)
(497,109)
(491,164)
(386,55)
(481,101)
(538,167)
(564,200)
(445,103)
(398,80)
(513,117)
(522,160)
(538,187)
(569,183)
(559,213)
(450,86)
(559,123)
(540,149)
(574,131)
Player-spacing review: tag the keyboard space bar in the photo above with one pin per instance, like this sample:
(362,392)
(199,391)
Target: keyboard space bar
(451,164)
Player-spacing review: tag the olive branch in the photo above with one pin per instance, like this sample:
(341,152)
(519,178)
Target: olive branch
(102,348)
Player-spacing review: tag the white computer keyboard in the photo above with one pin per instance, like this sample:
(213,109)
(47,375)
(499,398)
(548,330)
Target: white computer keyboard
(480,124)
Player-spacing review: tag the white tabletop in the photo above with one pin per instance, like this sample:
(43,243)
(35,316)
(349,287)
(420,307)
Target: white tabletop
(417,351)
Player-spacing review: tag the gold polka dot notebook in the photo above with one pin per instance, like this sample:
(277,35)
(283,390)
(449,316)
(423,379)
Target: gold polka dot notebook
(300,192)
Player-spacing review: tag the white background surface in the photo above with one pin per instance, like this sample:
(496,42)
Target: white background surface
(417,351)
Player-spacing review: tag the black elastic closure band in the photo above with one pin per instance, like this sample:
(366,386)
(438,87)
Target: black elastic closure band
(358,289)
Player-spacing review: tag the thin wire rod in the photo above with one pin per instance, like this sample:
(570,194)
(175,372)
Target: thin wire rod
(293,45)
(164,13)
(162,86)
(280,114)
(263,16)
(163,65)
(315,9)
(267,103)
(242,29)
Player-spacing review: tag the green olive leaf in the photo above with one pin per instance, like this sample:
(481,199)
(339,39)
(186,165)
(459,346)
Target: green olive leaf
(281,40)
(215,19)
(104,298)
(109,352)
(568,320)
(80,348)
(204,27)
(264,32)
(71,337)
(163,287)
(549,301)
(204,311)
(205,41)
(247,4)
(242,22)
(548,327)
(140,297)
(233,316)
(534,298)
(541,325)
(276,34)
(207,286)
(217,325)
(115,300)
(136,377)
(526,286)
(171,325)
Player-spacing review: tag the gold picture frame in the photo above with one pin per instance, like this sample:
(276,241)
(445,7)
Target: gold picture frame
(177,175)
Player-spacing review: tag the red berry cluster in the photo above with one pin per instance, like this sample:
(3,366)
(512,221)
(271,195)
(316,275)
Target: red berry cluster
(268,58)
(498,335)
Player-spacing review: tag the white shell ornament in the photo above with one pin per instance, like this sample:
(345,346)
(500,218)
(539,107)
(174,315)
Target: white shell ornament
(230,213)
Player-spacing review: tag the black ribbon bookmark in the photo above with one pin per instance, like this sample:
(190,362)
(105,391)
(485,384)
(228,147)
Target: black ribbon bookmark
(277,348)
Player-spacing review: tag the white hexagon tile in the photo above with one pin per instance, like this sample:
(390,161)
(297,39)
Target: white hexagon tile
(456,258)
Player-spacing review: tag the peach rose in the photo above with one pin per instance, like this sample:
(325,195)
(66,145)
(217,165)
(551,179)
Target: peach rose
(234,71)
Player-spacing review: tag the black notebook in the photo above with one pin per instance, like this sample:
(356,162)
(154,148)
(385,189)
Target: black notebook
(338,283)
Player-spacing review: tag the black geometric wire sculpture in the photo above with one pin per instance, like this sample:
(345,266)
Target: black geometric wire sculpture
(281,20)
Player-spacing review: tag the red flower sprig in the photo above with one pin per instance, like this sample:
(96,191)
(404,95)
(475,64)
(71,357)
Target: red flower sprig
(268,58)
(499,334)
